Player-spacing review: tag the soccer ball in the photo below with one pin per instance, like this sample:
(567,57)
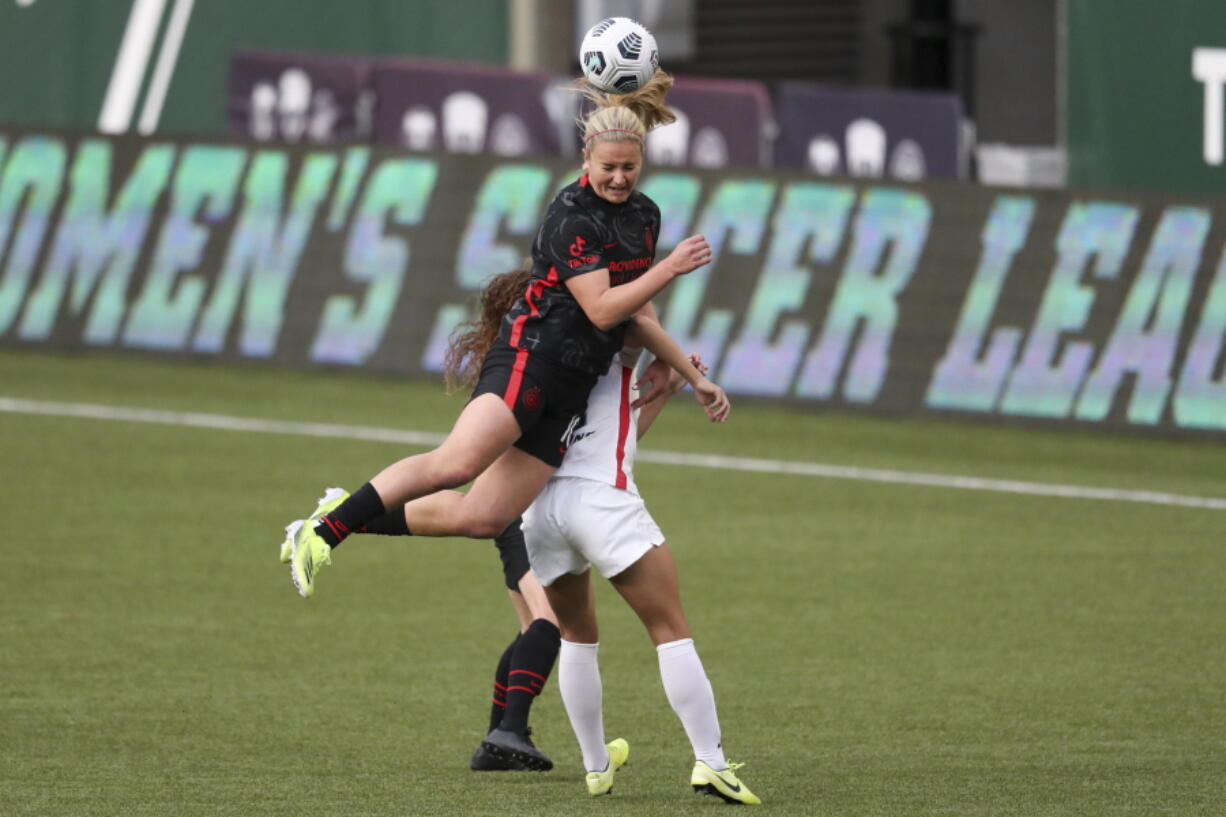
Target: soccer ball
(619,55)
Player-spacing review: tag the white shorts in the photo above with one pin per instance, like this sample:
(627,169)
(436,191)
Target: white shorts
(579,522)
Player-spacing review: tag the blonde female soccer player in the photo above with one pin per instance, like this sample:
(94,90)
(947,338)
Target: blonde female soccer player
(593,269)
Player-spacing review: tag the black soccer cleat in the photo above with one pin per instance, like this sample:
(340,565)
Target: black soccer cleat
(484,760)
(517,750)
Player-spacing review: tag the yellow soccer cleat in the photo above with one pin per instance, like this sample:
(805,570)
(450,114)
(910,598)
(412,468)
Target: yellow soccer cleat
(599,783)
(308,554)
(723,783)
(329,502)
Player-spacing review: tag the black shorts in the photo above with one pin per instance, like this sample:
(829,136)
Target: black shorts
(514,555)
(548,400)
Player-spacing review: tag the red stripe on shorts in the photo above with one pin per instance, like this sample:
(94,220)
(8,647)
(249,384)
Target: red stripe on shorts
(511,395)
(623,427)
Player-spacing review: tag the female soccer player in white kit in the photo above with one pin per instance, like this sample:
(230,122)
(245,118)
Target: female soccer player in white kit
(590,514)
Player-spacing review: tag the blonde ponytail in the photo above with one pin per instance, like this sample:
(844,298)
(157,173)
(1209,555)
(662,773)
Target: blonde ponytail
(621,117)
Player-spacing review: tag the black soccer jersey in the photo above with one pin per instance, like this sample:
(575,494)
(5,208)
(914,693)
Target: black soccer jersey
(581,233)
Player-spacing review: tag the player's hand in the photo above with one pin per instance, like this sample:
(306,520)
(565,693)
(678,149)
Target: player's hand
(690,254)
(677,381)
(654,384)
(657,373)
(696,361)
(713,399)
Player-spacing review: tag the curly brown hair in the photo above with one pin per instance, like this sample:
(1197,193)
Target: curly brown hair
(471,340)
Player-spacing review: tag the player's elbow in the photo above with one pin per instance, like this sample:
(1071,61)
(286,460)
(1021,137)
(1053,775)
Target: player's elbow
(607,322)
(602,317)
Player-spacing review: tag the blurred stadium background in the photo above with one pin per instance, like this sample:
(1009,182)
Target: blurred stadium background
(958,552)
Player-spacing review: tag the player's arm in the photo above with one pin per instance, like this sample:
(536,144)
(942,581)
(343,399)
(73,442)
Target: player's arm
(645,331)
(674,382)
(607,306)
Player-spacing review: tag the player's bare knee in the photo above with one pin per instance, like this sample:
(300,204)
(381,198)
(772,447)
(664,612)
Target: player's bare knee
(666,632)
(455,474)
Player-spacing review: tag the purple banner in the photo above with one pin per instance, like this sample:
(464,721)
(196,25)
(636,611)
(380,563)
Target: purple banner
(901,135)
(293,97)
(429,105)
(719,123)
(426,105)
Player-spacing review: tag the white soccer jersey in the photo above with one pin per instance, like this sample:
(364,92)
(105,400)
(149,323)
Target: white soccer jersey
(604,441)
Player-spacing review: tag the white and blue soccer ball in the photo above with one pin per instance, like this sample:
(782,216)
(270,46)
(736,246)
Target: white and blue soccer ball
(619,55)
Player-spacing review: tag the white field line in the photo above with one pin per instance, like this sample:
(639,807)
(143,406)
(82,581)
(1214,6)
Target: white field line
(225,422)
(222,422)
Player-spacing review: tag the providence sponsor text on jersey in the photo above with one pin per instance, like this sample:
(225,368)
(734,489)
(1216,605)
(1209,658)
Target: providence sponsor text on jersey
(581,233)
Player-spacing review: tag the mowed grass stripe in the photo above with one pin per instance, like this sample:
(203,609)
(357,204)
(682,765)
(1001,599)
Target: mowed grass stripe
(720,462)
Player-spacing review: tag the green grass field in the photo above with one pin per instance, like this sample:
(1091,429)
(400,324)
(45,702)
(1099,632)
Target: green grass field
(876,648)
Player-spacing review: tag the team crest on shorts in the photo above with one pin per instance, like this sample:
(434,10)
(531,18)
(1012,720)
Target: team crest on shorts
(532,398)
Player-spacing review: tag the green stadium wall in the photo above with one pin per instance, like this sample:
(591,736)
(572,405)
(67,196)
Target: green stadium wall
(1039,307)
(1145,89)
(58,57)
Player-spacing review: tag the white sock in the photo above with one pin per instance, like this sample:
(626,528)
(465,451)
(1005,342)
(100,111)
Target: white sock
(691,697)
(582,695)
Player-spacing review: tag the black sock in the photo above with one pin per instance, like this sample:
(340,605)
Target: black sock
(362,506)
(499,704)
(531,662)
(391,523)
